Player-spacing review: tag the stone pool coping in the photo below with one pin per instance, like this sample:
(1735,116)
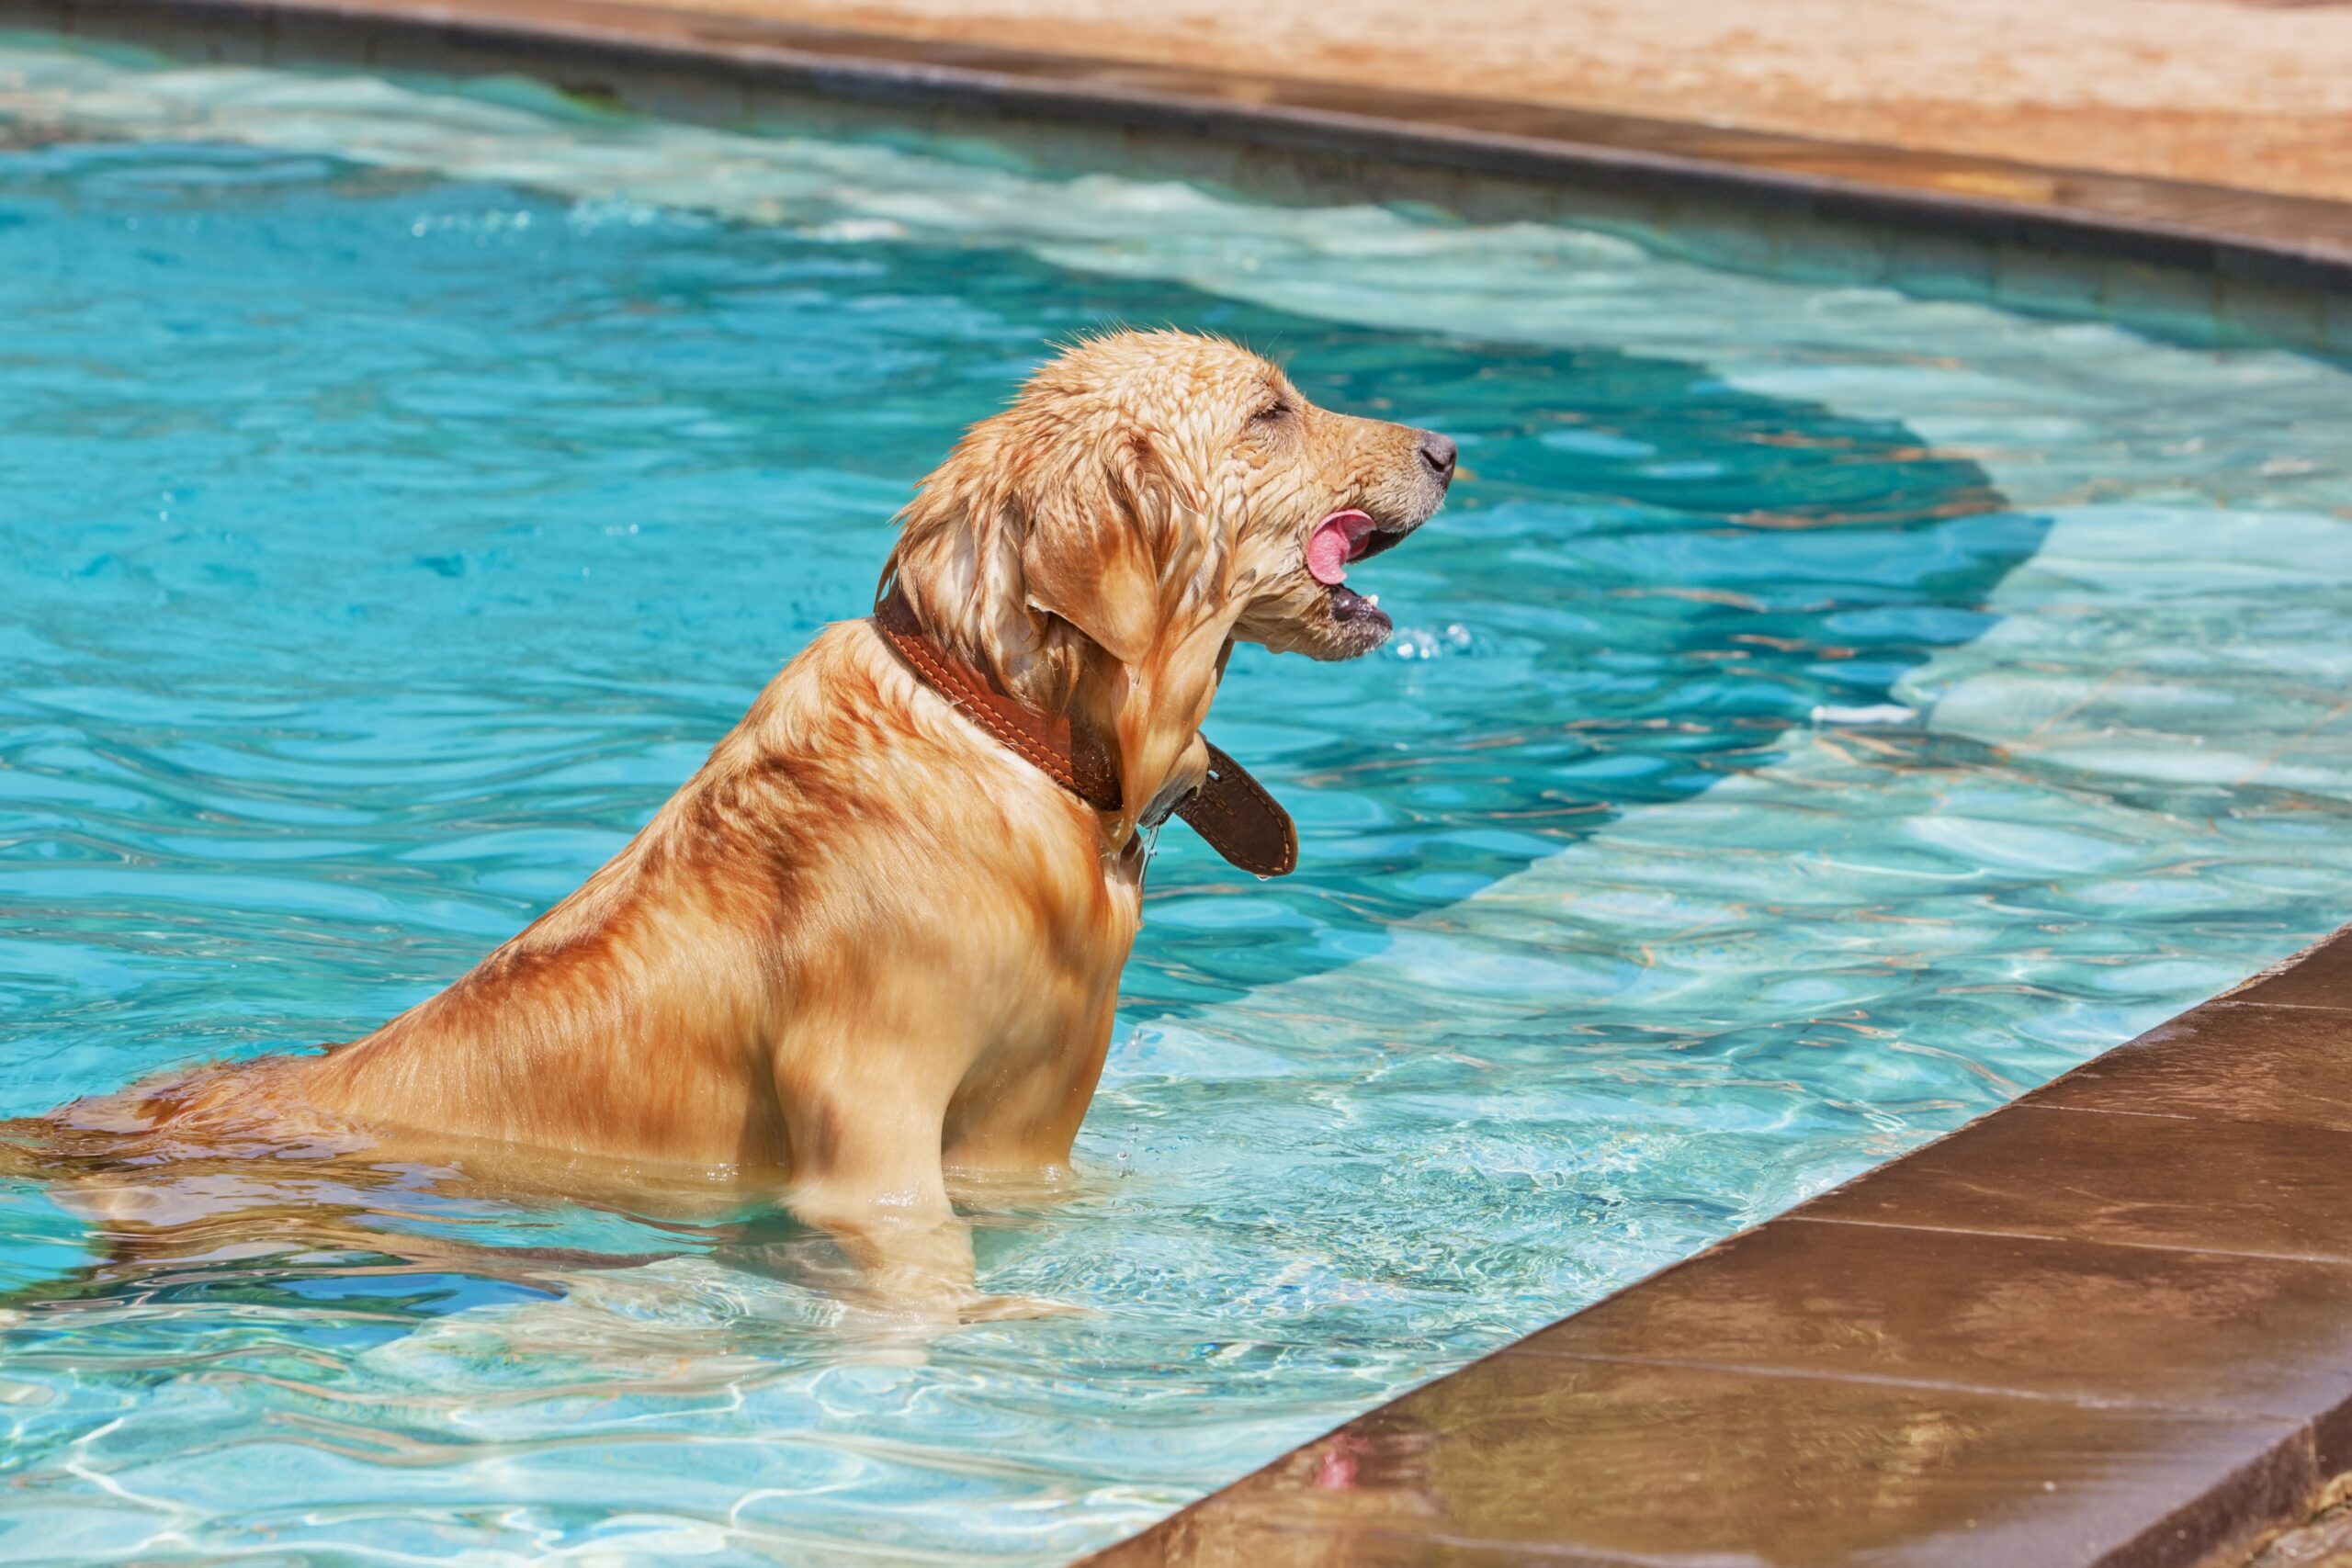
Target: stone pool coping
(2204,259)
(2110,1323)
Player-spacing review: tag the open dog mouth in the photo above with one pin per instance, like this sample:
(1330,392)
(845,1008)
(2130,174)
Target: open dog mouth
(1342,539)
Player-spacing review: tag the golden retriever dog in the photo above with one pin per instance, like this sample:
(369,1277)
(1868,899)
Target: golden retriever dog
(876,940)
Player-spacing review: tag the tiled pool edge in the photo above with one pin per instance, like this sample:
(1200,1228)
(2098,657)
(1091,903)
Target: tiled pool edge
(2106,1323)
(2199,260)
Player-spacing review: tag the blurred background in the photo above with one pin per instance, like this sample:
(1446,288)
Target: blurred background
(2250,93)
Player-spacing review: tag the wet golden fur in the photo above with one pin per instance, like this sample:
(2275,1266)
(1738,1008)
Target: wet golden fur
(865,943)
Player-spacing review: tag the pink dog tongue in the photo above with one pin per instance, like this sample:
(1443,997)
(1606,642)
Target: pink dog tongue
(1334,544)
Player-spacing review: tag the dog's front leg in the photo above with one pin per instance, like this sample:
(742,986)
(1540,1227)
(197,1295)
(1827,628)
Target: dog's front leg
(864,1153)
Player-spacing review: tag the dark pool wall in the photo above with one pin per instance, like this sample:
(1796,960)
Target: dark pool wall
(2196,262)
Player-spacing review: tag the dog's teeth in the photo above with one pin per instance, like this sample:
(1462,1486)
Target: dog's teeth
(1372,600)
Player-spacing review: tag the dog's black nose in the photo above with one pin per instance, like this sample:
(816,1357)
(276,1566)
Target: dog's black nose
(1437,452)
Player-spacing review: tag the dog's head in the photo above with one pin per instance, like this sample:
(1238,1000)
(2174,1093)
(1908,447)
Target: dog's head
(1148,499)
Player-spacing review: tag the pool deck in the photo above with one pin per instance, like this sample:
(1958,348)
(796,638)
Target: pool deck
(2110,1323)
(2249,93)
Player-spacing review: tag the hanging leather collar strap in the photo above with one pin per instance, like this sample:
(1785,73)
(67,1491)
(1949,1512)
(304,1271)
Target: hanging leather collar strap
(1231,809)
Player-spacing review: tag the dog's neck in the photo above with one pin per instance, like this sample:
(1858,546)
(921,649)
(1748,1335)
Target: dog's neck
(1127,745)
(1073,751)
(1127,739)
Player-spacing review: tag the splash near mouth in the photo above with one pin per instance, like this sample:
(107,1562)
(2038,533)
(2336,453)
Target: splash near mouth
(1337,540)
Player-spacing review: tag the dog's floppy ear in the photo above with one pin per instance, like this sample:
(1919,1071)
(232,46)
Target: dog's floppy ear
(1120,552)
(1094,546)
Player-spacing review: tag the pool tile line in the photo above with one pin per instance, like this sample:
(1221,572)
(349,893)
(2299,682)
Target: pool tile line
(2289,1007)
(2116,1110)
(1925,1385)
(2301,981)
(2049,1337)
(2070,240)
(1797,1217)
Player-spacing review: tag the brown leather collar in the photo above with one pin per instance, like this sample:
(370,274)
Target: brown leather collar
(1231,809)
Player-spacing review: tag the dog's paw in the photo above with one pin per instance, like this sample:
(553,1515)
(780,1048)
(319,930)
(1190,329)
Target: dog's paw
(1017,1309)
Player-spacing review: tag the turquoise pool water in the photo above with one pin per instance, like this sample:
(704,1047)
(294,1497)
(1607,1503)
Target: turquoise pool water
(1820,715)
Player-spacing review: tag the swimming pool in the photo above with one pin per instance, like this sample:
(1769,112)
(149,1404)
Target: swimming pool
(1819,714)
